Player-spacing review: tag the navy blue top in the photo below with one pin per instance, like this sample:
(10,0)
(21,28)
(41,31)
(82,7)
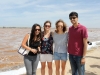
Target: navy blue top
(46,44)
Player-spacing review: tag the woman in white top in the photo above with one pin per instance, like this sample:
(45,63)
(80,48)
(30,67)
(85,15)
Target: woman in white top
(60,37)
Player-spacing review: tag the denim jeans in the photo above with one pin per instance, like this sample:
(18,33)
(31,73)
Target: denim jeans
(76,66)
(60,56)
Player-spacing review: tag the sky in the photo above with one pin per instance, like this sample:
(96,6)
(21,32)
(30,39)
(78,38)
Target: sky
(24,13)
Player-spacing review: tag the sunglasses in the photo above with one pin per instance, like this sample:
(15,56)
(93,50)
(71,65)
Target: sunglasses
(37,29)
(47,26)
(72,18)
(59,26)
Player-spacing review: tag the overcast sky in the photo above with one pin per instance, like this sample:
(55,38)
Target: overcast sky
(24,13)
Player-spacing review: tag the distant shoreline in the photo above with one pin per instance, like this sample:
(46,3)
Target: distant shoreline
(15,27)
(41,27)
(20,28)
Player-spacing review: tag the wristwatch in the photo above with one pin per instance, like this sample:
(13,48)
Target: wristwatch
(83,57)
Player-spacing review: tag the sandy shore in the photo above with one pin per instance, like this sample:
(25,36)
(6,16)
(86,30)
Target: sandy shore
(92,64)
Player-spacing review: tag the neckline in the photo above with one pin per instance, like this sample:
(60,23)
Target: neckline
(45,37)
(60,34)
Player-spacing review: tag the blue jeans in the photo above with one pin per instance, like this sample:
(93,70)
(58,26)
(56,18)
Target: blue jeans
(76,66)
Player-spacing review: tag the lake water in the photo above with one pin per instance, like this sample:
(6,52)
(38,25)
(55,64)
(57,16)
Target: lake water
(11,38)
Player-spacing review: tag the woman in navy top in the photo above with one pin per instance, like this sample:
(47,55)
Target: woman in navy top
(46,48)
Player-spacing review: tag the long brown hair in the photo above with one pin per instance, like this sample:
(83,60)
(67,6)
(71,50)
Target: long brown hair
(64,25)
(32,34)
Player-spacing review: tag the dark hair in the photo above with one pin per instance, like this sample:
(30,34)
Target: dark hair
(64,25)
(32,34)
(73,14)
(47,22)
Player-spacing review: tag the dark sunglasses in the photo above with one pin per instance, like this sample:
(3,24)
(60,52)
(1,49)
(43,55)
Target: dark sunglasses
(72,18)
(59,26)
(47,26)
(37,29)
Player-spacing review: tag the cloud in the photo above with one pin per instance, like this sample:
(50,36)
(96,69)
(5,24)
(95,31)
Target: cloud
(46,14)
(29,11)
(9,2)
(14,4)
(46,6)
(70,4)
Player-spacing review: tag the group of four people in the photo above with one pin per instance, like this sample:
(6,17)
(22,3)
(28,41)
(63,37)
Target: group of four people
(46,46)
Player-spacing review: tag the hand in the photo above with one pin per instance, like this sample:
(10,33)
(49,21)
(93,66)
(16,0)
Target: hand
(83,61)
(39,51)
(34,51)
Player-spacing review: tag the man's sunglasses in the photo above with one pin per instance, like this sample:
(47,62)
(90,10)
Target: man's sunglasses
(72,18)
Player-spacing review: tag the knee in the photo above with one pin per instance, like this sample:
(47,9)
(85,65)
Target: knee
(63,68)
(50,67)
(57,68)
(42,67)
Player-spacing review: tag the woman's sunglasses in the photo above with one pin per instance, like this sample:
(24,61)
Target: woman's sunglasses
(37,29)
(59,26)
(47,26)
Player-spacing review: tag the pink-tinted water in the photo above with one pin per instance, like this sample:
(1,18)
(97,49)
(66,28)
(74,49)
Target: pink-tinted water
(10,40)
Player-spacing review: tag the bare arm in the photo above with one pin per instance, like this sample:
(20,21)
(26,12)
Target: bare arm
(24,42)
(84,50)
(85,46)
(25,46)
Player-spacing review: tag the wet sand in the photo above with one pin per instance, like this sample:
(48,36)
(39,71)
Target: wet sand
(10,60)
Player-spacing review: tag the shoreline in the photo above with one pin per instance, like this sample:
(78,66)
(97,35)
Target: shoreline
(92,64)
(10,65)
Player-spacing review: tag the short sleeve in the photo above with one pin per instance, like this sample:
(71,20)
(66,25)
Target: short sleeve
(84,32)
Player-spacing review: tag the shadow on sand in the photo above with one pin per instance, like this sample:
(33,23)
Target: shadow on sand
(94,66)
(90,73)
(92,57)
(86,73)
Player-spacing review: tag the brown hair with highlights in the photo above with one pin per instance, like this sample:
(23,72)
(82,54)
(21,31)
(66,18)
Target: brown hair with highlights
(64,25)
(47,22)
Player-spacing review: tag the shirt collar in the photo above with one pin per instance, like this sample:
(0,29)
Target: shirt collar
(77,26)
